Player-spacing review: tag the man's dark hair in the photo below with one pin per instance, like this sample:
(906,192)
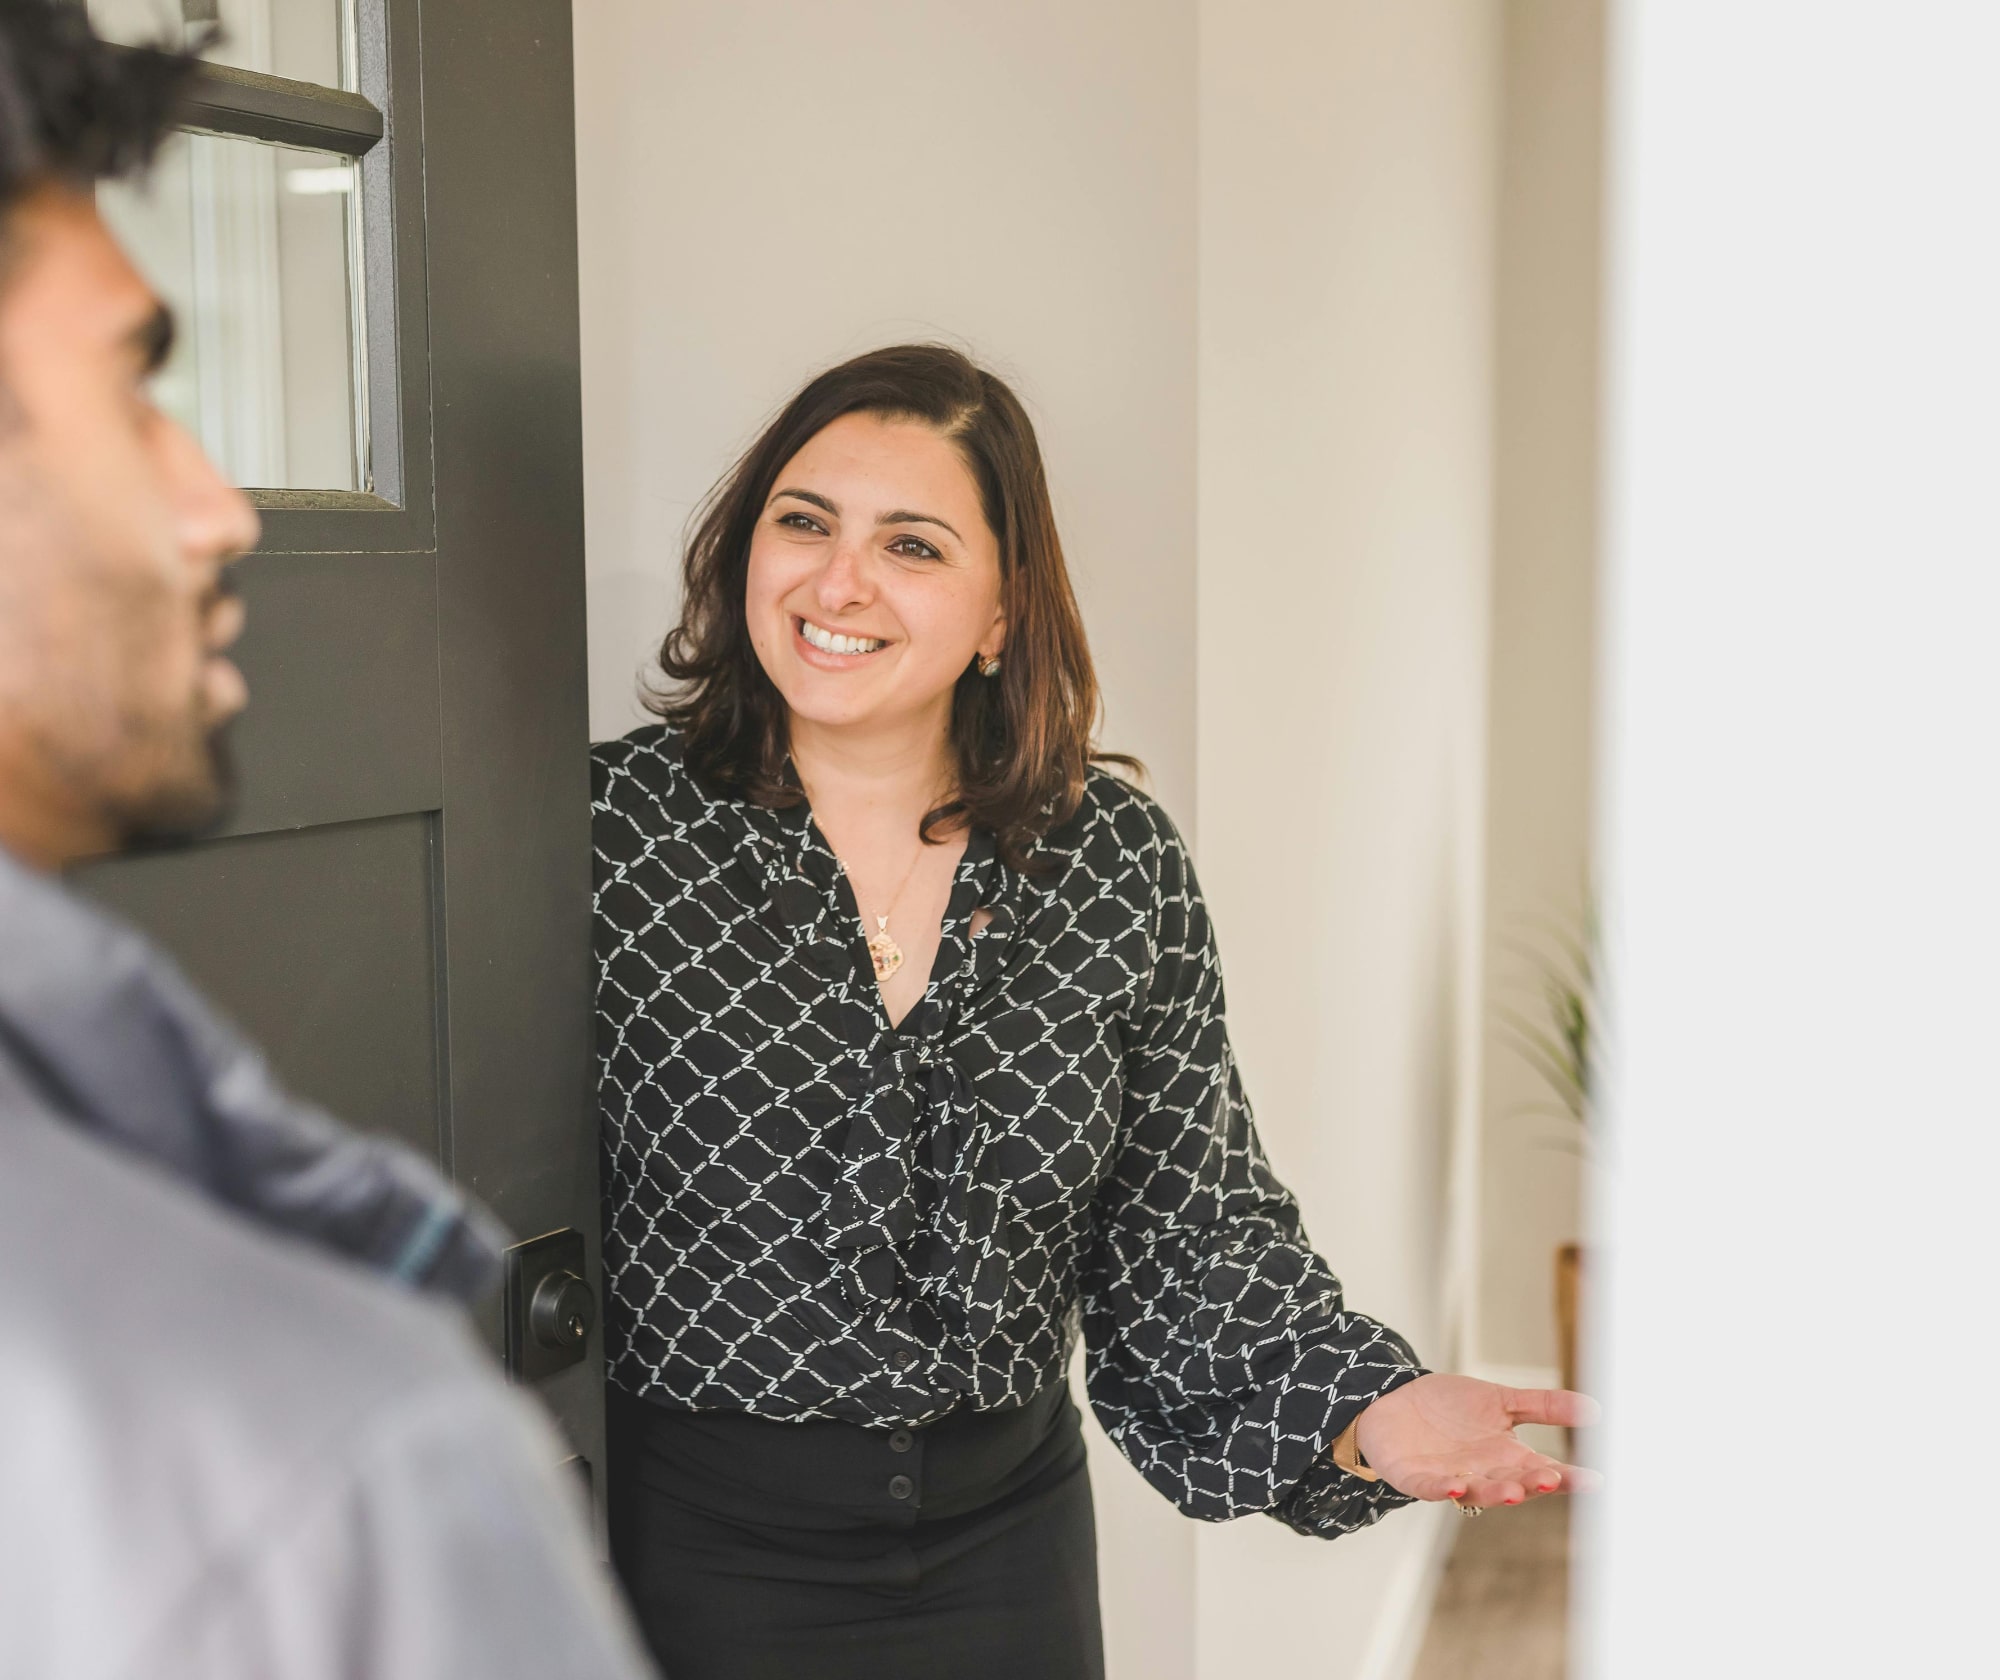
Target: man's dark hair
(74,108)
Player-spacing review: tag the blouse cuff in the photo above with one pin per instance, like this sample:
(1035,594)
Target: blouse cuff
(1329,1499)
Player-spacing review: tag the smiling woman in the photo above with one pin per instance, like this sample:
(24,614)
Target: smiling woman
(913,1066)
(899,498)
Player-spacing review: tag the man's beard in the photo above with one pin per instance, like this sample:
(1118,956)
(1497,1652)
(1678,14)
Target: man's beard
(181,808)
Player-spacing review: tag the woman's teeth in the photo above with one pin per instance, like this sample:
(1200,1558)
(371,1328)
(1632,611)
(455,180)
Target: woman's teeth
(827,642)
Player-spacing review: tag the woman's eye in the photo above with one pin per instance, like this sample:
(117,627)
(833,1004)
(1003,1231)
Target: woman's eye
(801,522)
(913,548)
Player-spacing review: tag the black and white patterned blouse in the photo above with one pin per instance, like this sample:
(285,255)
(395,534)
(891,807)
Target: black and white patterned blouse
(813,1215)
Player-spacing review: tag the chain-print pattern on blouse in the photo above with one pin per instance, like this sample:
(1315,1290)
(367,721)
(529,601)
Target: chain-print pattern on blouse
(811,1214)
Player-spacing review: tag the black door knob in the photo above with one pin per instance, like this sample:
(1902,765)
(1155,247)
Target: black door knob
(550,1310)
(561,1311)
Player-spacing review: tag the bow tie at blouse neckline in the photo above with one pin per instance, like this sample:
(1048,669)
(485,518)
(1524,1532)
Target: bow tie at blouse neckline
(915,1096)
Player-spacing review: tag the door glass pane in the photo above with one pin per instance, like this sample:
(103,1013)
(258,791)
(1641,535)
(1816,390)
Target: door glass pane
(307,40)
(255,248)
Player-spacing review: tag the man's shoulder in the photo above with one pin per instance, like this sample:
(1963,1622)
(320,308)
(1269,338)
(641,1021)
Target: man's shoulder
(144,1273)
(177,1383)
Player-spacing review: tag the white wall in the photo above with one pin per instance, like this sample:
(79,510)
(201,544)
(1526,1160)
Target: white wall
(765,188)
(1541,737)
(1347,178)
(1801,842)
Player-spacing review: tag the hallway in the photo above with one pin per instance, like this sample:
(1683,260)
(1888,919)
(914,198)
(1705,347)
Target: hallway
(1502,1610)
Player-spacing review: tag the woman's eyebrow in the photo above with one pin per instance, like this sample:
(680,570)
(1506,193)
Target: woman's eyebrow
(902,516)
(811,496)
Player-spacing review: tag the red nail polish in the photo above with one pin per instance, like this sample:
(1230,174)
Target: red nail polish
(1513,1502)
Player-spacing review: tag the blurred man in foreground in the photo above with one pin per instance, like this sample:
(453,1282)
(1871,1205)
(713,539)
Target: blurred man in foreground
(237,1440)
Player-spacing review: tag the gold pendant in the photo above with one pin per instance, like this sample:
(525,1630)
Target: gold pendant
(883,951)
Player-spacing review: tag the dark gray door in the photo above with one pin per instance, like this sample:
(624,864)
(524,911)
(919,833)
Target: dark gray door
(399,909)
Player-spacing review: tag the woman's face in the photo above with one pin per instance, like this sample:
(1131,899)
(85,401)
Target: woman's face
(874,579)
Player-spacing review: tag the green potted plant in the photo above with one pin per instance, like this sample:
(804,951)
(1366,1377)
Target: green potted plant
(1560,1039)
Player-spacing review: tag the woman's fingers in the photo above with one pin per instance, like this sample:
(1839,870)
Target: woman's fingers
(1437,1485)
(1506,1483)
(1494,1490)
(1460,1484)
(1542,1479)
(1549,1475)
(1511,1484)
(1576,1479)
(1499,1470)
(1562,1407)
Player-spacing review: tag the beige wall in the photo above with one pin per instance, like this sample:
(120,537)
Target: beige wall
(1347,172)
(1544,639)
(767,187)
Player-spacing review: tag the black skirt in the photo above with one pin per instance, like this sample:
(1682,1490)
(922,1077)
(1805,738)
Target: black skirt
(754,1550)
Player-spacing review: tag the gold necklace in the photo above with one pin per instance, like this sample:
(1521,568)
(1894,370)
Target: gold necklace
(883,951)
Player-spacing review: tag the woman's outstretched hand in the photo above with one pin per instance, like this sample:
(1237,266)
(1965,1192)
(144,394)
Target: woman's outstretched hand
(1446,1437)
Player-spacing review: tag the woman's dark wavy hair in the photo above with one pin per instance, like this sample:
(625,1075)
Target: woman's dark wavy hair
(75,109)
(1022,740)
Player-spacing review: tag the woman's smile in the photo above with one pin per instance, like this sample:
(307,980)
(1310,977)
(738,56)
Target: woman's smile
(837,650)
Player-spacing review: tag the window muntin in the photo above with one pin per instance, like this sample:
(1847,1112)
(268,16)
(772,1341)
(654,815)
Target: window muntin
(301,40)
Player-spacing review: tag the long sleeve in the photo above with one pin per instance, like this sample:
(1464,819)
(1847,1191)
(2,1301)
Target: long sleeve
(1221,1357)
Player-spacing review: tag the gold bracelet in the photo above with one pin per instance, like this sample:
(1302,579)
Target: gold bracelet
(1347,1453)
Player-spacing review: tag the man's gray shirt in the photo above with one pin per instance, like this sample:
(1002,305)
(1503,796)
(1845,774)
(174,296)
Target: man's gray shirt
(229,1447)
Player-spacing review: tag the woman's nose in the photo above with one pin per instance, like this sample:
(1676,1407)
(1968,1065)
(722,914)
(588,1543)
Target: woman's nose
(843,582)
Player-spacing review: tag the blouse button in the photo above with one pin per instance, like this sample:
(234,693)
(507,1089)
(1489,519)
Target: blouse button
(901,1487)
(902,1441)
